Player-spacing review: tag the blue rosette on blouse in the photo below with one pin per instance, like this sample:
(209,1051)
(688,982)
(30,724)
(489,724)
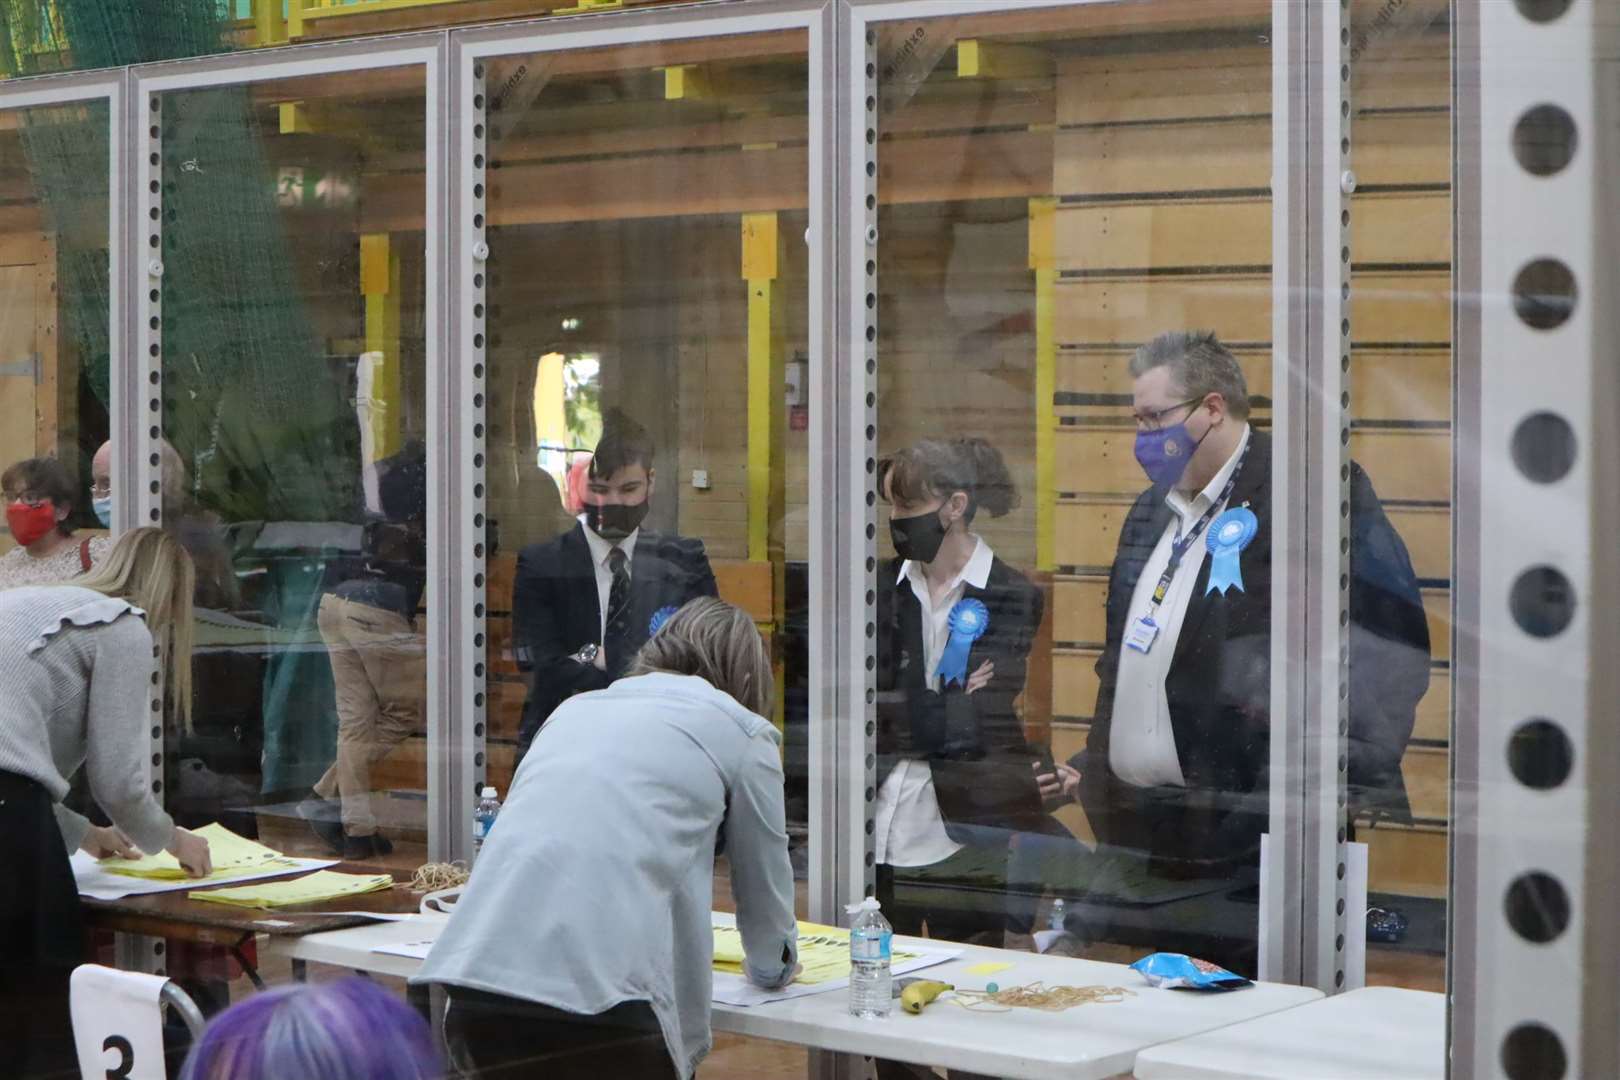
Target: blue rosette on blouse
(660,617)
(968,621)
(1228,536)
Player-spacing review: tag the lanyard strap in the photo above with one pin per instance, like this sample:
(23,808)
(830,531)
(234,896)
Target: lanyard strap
(1183,544)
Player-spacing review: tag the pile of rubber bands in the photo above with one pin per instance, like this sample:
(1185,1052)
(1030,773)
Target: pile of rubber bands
(433,877)
(1037,995)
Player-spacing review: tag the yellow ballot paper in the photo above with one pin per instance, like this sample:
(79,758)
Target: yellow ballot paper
(823,952)
(314,888)
(231,854)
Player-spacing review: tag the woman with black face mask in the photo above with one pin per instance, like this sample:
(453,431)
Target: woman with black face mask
(955,774)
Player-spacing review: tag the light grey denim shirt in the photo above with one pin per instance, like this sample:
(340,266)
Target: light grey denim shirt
(596,884)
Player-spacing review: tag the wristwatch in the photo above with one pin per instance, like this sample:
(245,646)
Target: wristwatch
(586,654)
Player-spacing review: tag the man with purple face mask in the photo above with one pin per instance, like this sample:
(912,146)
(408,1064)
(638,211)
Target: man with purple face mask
(585,602)
(1176,766)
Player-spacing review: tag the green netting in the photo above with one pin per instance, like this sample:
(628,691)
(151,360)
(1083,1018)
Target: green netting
(250,404)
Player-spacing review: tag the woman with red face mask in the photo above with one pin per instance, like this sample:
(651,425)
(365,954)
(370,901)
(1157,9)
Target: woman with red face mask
(40,499)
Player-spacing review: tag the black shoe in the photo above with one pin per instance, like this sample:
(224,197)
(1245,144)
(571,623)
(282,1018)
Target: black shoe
(325,820)
(356,848)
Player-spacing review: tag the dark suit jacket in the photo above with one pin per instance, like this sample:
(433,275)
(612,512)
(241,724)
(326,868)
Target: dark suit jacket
(1219,687)
(973,742)
(556,611)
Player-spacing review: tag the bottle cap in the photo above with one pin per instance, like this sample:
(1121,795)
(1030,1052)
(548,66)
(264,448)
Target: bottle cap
(489,792)
(869,904)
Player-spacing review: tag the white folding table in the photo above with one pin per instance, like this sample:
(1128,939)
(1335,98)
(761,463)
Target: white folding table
(1379,1033)
(1090,1042)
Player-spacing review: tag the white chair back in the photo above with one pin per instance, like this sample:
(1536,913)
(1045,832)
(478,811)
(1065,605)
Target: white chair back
(118,1022)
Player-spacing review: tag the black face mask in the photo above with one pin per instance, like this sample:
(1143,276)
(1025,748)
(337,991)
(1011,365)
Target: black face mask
(616,521)
(917,538)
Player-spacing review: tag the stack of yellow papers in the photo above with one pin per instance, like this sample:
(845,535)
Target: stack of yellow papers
(823,952)
(232,855)
(314,888)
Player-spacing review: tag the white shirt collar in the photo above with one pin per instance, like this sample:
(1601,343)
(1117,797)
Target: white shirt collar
(975,573)
(1196,505)
(601,549)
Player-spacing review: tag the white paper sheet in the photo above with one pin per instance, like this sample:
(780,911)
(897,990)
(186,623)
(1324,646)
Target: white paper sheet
(414,950)
(98,884)
(732,989)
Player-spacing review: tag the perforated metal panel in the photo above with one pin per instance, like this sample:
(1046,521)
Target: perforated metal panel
(1535,804)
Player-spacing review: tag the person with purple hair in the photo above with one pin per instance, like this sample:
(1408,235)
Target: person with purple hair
(347,1030)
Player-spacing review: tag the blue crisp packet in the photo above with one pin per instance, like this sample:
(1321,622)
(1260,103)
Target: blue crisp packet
(1177,971)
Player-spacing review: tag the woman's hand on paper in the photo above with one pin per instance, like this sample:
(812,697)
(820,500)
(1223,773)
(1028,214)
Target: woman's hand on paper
(192,851)
(108,841)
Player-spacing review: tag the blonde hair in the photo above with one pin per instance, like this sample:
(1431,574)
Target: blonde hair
(149,568)
(718,643)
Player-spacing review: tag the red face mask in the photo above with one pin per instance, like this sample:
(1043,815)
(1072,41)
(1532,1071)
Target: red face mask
(29,523)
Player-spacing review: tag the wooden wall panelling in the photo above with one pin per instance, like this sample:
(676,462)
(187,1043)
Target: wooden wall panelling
(1130,310)
(1437,609)
(1428,780)
(1401,384)
(1088,532)
(1401,227)
(1097,460)
(1116,87)
(1079,614)
(1427,532)
(1405,463)
(1401,306)
(1074,682)
(1198,155)
(1406,860)
(1402,149)
(1105,371)
(1433,722)
(1209,234)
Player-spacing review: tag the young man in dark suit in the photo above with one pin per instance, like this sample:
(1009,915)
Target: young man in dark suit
(584,603)
(1177,760)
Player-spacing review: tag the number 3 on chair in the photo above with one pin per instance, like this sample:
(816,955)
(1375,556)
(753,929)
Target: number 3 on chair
(126,1056)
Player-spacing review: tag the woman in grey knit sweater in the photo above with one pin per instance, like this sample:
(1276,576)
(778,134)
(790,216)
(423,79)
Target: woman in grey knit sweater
(76,670)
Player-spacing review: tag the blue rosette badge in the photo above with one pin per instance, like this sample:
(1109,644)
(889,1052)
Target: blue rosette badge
(660,617)
(1228,536)
(968,621)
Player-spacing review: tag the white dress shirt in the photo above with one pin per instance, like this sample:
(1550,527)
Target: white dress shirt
(600,550)
(908,829)
(1142,745)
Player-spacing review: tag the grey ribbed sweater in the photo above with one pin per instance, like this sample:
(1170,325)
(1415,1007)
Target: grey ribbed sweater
(75,672)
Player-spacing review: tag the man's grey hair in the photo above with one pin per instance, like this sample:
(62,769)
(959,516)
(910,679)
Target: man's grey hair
(1199,365)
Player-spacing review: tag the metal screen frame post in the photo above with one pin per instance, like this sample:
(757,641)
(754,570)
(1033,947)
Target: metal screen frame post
(1536,866)
(1304,891)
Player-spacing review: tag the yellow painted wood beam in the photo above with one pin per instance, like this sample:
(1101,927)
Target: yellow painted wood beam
(296,118)
(767,415)
(269,28)
(687,82)
(380,285)
(1043,261)
(993,60)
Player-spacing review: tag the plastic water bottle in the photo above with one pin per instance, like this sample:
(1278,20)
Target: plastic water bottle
(1055,920)
(484,814)
(871,983)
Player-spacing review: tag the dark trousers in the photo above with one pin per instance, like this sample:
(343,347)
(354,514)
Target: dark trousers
(494,1037)
(962,898)
(41,934)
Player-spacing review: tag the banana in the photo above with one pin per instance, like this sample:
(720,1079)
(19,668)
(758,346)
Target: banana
(921,993)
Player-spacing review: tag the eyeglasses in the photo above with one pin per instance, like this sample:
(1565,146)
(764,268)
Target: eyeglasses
(101,491)
(28,498)
(1153,419)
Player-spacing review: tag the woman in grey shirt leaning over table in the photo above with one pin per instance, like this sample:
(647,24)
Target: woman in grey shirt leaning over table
(582,947)
(76,673)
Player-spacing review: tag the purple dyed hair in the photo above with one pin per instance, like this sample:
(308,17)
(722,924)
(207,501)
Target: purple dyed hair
(347,1030)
